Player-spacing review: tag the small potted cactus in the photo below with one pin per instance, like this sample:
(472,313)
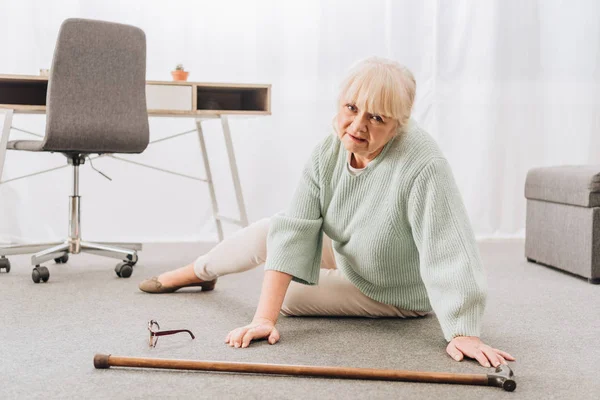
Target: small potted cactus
(179,74)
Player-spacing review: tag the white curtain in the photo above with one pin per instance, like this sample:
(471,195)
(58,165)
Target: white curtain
(503,85)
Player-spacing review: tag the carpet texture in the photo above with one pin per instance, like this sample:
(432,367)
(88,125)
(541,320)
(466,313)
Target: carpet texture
(548,320)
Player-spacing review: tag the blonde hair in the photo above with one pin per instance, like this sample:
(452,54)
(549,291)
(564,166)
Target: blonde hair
(380,86)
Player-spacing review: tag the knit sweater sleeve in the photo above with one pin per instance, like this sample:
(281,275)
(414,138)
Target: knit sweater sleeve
(450,263)
(294,242)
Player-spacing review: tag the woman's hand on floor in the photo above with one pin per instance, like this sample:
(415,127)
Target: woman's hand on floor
(472,346)
(257,329)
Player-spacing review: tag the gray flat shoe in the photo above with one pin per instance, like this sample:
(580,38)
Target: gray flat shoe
(152,285)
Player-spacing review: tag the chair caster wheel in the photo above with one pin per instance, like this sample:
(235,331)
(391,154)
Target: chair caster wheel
(62,260)
(124,269)
(4,264)
(40,274)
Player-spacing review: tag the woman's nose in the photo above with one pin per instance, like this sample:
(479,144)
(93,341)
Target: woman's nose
(358,124)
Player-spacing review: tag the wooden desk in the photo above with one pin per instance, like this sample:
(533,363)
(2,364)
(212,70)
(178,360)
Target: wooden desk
(196,100)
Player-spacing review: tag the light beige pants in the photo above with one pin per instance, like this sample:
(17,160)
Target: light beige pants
(333,296)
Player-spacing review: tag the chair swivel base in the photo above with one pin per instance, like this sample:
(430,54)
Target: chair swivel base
(60,254)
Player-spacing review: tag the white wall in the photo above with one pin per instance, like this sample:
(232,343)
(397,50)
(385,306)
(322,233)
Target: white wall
(504,86)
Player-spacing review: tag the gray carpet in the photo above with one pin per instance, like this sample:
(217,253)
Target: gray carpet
(49,333)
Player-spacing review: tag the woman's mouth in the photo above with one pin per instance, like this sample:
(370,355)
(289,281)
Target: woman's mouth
(355,139)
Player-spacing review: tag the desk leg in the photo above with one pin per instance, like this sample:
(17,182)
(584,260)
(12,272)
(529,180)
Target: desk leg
(8,114)
(234,171)
(209,180)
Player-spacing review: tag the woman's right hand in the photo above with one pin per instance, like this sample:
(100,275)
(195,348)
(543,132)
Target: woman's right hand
(258,329)
(275,284)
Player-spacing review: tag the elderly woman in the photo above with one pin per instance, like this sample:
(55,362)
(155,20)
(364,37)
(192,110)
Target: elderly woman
(376,228)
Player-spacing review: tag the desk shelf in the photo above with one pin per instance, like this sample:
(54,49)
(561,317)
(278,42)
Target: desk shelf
(232,98)
(27,94)
(23,92)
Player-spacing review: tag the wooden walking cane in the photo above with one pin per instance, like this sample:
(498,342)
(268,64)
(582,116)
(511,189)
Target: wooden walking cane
(502,377)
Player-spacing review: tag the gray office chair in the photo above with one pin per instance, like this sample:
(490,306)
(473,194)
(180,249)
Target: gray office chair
(96,104)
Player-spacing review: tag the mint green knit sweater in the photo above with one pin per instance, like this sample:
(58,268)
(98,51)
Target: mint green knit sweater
(400,232)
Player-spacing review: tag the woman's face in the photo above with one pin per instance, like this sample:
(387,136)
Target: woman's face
(362,133)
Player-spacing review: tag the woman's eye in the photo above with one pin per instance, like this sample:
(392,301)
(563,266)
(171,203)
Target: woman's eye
(351,107)
(377,118)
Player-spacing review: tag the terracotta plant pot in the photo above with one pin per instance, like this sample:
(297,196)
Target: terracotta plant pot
(180,75)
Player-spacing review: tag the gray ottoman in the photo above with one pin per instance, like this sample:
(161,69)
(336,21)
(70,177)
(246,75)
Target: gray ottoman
(563,219)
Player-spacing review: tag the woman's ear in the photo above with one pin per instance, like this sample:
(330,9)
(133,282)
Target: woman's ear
(398,128)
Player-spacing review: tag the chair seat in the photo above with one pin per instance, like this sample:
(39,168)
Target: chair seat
(27,145)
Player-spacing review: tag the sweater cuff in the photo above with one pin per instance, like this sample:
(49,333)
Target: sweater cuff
(294,247)
(466,325)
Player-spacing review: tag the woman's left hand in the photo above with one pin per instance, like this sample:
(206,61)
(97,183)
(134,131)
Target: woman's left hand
(472,346)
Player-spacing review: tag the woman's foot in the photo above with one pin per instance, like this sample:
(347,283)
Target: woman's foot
(171,281)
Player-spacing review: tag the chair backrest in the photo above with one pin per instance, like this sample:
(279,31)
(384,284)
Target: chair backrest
(96,100)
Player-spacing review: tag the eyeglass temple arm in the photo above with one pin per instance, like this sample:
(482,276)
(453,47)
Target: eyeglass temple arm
(164,333)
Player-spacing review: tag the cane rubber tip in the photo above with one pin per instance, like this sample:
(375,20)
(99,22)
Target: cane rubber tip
(509,385)
(101,361)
